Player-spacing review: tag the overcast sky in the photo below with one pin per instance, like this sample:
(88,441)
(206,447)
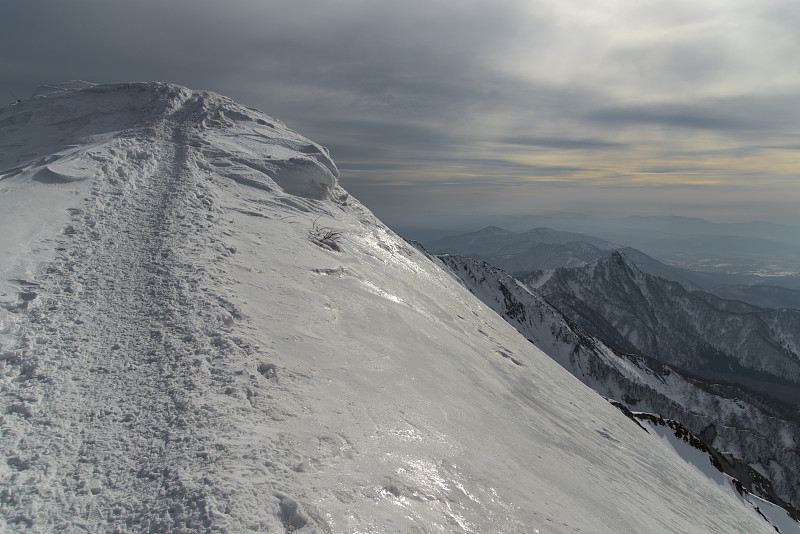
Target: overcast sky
(449,112)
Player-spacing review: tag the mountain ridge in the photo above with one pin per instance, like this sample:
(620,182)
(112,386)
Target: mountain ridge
(181,352)
(637,312)
(522,252)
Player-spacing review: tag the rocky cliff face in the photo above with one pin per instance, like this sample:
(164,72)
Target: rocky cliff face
(636,312)
(762,435)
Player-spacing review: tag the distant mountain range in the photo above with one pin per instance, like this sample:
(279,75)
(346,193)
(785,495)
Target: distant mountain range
(520,253)
(494,241)
(690,241)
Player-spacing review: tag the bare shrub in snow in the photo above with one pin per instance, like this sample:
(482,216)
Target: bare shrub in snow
(325,236)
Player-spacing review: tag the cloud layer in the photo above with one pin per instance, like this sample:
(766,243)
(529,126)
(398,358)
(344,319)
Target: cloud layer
(445,109)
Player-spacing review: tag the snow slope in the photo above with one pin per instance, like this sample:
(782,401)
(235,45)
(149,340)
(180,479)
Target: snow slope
(760,434)
(183,351)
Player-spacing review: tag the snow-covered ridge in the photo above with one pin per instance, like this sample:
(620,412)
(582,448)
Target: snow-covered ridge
(179,352)
(242,143)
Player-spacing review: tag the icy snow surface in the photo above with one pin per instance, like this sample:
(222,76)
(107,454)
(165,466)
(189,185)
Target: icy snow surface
(182,350)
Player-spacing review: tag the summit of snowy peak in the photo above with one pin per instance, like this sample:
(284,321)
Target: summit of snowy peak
(640,313)
(77,130)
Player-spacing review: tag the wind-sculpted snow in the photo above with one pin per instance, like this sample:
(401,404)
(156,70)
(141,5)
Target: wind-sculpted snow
(68,135)
(182,353)
(754,432)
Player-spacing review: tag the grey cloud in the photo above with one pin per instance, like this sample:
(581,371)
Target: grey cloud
(742,116)
(367,141)
(502,166)
(669,169)
(455,183)
(100,41)
(372,166)
(388,55)
(474,169)
(678,64)
(562,143)
(792,148)
(672,116)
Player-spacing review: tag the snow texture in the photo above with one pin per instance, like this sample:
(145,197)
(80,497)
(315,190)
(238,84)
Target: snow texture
(182,353)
